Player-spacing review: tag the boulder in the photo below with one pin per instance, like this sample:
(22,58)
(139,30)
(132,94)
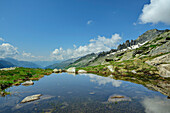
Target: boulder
(31,98)
(82,71)
(71,70)
(55,70)
(164,70)
(28,83)
(133,71)
(110,67)
(60,70)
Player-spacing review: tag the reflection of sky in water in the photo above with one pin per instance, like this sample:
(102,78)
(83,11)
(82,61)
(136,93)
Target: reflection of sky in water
(156,105)
(103,80)
(79,88)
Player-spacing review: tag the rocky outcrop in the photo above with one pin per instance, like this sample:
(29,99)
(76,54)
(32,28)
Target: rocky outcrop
(162,63)
(159,60)
(160,49)
(71,70)
(31,98)
(148,35)
(28,83)
(164,70)
(110,67)
(55,71)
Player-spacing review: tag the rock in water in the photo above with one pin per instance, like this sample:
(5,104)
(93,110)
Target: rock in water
(118,98)
(164,70)
(82,71)
(31,98)
(27,83)
(71,70)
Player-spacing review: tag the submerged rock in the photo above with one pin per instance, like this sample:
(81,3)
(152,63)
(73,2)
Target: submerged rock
(118,98)
(82,71)
(71,70)
(43,97)
(28,83)
(31,98)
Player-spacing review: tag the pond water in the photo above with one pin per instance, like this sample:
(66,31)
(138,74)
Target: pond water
(85,93)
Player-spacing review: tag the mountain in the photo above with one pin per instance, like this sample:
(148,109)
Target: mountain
(83,61)
(5,64)
(147,36)
(21,63)
(151,43)
(45,63)
(62,64)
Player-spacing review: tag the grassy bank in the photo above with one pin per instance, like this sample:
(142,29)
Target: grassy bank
(135,70)
(19,75)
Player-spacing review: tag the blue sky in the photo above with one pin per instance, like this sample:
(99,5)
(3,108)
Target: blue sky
(48,29)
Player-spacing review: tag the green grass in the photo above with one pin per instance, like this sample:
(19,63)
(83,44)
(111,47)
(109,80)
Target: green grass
(19,75)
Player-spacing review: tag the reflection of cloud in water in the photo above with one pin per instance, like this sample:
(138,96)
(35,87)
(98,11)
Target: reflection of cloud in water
(156,105)
(103,80)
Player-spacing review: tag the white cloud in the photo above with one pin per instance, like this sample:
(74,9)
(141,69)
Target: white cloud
(95,46)
(155,12)
(1,39)
(103,80)
(156,105)
(89,22)
(8,50)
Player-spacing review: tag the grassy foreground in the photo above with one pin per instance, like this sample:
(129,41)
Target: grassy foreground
(19,75)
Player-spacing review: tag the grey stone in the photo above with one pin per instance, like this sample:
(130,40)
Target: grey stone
(164,70)
(31,98)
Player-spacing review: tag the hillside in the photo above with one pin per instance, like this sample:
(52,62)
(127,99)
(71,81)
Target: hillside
(62,64)
(83,61)
(5,64)
(149,58)
(25,64)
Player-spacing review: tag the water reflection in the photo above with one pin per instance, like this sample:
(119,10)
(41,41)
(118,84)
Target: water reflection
(156,105)
(83,93)
(103,80)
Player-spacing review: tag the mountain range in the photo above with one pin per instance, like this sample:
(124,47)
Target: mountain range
(10,62)
(125,51)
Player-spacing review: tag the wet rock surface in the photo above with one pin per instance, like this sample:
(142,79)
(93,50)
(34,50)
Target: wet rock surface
(118,98)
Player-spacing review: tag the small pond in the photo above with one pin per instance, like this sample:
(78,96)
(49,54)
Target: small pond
(83,93)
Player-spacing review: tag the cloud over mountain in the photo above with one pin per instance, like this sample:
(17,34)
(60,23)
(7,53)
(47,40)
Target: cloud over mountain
(96,45)
(155,12)
(8,50)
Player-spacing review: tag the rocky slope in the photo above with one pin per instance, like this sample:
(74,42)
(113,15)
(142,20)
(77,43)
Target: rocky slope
(83,61)
(147,36)
(62,64)
(153,46)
